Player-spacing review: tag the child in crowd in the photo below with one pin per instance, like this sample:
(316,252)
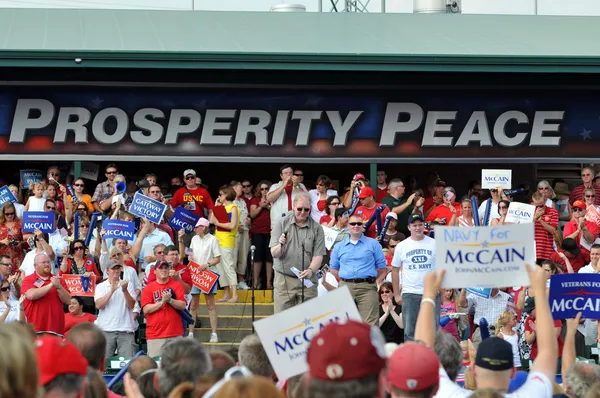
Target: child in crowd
(504,329)
(37,201)
(448,300)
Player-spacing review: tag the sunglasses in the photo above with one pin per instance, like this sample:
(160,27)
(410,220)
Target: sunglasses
(303,209)
(78,248)
(4,289)
(190,177)
(590,196)
(82,209)
(355,224)
(578,209)
(160,252)
(9,214)
(385,291)
(246,186)
(540,206)
(84,226)
(299,175)
(493,190)
(586,175)
(264,189)
(51,208)
(154,191)
(334,204)
(78,185)
(111,172)
(543,188)
(8,265)
(392,246)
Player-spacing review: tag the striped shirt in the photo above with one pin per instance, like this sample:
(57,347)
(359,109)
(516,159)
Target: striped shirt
(577,194)
(544,240)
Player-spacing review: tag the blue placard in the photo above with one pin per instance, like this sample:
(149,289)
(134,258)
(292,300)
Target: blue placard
(484,292)
(145,207)
(29,177)
(183,218)
(118,229)
(6,195)
(573,293)
(42,220)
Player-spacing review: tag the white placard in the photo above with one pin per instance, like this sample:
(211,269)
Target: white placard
(520,213)
(89,171)
(485,256)
(492,179)
(330,236)
(285,336)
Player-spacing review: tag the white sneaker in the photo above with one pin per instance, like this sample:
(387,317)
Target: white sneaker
(242,286)
(190,336)
(213,338)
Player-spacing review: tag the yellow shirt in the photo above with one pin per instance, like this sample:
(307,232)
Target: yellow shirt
(87,199)
(227,238)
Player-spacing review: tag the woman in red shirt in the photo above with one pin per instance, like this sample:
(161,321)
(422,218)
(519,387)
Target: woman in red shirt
(76,315)
(261,233)
(531,334)
(579,227)
(332,203)
(77,263)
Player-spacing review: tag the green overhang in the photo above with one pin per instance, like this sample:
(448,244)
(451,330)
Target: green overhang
(298,41)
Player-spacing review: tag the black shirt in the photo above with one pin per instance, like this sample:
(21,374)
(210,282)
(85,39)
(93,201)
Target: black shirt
(390,329)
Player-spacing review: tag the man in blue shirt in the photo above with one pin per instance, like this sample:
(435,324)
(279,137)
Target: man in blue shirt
(358,261)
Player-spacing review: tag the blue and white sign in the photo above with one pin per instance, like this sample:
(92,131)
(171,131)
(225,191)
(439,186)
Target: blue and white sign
(485,256)
(42,220)
(29,177)
(484,292)
(183,218)
(6,195)
(492,179)
(145,207)
(573,293)
(118,229)
(520,213)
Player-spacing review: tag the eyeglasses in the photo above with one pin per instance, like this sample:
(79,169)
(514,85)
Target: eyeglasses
(9,214)
(586,175)
(50,208)
(590,196)
(82,209)
(4,289)
(160,252)
(6,264)
(543,188)
(154,191)
(385,292)
(264,189)
(78,185)
(578,209)
(112,172)
(355,224)
(303,209)
(246,186)
(190,177)
(78,248)
(299,175)
(493,190)
(334,204)
(84,226)
(392,246)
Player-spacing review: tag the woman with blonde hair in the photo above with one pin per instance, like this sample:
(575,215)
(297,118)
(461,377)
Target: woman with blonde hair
(546,190)
(18,367)
(11,237)
(504,329)
(249,387)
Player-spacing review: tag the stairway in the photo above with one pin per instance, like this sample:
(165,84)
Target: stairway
(234,320)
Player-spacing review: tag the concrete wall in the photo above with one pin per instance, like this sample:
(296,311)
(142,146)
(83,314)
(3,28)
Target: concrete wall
(524,7)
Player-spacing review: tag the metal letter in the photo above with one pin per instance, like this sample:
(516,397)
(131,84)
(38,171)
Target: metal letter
(152,131)
(306,118)
(281,121)
(261,120)
(65,124)
(176,127)
(540,127)
(121,127)
(432,127)
(342,127)
(391,125)
(22,122)
(500,128)
(478,120)
(211,125)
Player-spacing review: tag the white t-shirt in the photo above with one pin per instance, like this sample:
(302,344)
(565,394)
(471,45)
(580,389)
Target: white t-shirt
(537,385)
(36,204)
(205,249)
(417,258)
(493,211)
(321,290)
(116,316)
(13,314)
(588,269)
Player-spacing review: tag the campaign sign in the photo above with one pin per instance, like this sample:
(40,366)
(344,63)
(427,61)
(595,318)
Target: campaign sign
(183,218)
(42,220)
(118,229)
(286,335)
(330,236)
(485,256)
(492,179)
(29,177)
(89,171)
(203,280)
(592,215)
(75,285)
(573,293)
(520,213)
(145,207)
(484,292)
(6,195)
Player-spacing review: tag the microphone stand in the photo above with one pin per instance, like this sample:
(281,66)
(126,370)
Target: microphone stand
(252,279)
(302,281)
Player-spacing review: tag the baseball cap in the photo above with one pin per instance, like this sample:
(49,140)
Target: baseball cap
(413,367)
(114,263)
(366,192)
(415,217)
(202,222)
(57,357)
(188,172)
(494,353)
(441,183)
(529,305)
(348,351)
(571,246)
(579,204)
(163,264)
(358,176)
(393,215)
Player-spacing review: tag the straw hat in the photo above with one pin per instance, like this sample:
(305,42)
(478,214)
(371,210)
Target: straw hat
(562,188)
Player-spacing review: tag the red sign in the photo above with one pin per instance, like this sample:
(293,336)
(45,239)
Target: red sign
(591,214)
(75,285)
(203,280)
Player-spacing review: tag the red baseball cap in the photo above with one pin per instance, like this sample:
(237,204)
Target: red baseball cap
(413,367)
(579,204)
(358,176)
(56,357)
(366,192)
(348,351)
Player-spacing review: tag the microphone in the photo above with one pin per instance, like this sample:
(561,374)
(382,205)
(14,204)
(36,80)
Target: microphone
(252,248)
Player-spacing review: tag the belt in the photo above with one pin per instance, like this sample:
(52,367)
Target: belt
(370,279)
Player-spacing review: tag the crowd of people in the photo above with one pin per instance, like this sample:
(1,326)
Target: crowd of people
(377,239)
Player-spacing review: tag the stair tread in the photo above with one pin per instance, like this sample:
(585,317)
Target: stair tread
(234,316)
(224,329)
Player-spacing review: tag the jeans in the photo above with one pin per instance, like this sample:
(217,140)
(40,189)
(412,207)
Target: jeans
(411,303)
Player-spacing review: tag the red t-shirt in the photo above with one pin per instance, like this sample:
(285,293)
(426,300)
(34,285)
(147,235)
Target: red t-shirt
(166,322)
(262,223)
(183,271)
(428,204)
(366,214)
(45,314)
(534,348)
(544,240)
(325,219)
(581,260)
(90,266)
(571,227)
(71,320)
(443,211)
(197,198)
(381,193)
(577,194)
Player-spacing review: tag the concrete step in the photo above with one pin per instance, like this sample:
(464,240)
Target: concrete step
(231,321)
(220,346)
(245,296)
(245,309)
(226,335)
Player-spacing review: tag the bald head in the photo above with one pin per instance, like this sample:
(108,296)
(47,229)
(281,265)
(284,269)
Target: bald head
(141,364)
(42,263)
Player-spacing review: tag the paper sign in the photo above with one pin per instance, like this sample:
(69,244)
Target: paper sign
(592,215)
(203,280)
(573,293)
(330,236)
(6,195)
(520,213)
(89,171)
(145,207)
(285,336)
(492,179)
(75,285)
(484,292)
(42,220)
(183,218)
(118,229)
(485,256)
(29,177)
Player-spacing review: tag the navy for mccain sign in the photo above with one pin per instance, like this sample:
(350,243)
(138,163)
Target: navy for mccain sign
(573,293)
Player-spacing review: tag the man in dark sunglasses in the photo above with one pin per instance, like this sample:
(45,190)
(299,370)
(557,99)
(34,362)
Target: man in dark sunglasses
(298,246)
(105,189)
(587,179)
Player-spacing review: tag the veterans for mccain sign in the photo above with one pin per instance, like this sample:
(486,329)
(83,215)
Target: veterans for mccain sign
(42,220)
(485,256)
(183,218)
(118,229)
(573,293)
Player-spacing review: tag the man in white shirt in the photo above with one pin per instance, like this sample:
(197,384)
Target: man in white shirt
(150,237)
(489,308)
(115,300)
(415,257)
(594,266)
(282,194)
